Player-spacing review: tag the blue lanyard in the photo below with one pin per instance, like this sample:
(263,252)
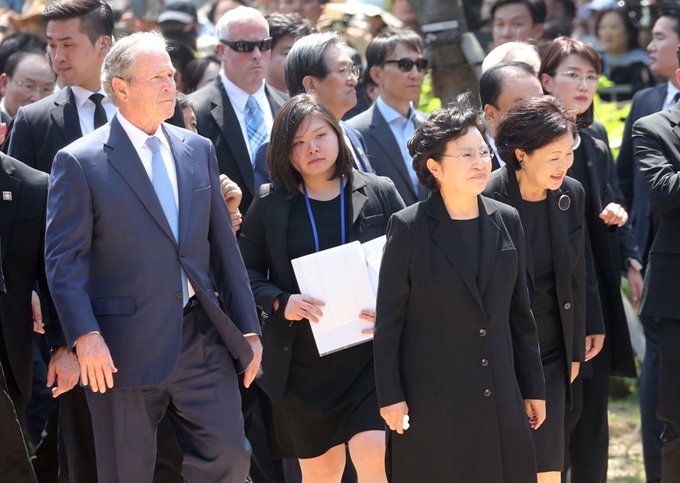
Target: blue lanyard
(311,215)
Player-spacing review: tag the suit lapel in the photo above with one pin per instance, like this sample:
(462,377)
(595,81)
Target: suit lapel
(184,165)
(123,157)
(11,185)
(65,116)
(559,229)
(490,233)
(446,237)
(382,133)
(276,227)
(592,171)
(224,115)
(359,199)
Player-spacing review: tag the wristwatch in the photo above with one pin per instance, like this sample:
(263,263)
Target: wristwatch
(634,264)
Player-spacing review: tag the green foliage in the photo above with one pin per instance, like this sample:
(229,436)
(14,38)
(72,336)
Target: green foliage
(613,115)
(428,102)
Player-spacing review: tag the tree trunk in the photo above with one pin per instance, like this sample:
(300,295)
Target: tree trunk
(451,72)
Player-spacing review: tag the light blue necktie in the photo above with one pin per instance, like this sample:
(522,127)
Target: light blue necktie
(255,126)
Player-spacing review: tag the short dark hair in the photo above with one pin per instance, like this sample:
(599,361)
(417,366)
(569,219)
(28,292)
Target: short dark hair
(556,52)
(193,73)
(443,126)
(536,8)
(491,82)
(530,125)
(308,57)
(213,10)
(20,42)
(671,10)
(96,17)
(16,58)
(289,118)
(677,53)
(185,101)
(631,28)
(282,24)
(385,43)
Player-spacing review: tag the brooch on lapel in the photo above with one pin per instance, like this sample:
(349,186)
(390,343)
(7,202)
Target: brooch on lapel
(6,196)
(564,203)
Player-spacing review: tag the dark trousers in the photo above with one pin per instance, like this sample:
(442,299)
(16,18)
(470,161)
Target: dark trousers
(202,401)
(669,398)
(15,467)
(587,424)
(649,401)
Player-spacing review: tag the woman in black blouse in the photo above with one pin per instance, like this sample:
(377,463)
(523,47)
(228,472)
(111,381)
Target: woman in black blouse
(316,201)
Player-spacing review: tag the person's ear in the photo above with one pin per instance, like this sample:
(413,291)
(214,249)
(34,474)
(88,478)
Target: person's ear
(491,114)
(434,167)
(4,80)
(120,87)
(310,84)
(376,73)
(546,82)
(104,44)
(538,30)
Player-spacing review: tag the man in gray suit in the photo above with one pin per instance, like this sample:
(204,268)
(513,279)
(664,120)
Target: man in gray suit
(396,65)
(137,224)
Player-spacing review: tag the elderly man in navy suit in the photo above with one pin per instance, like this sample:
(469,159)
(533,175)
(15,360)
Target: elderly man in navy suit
(136,225)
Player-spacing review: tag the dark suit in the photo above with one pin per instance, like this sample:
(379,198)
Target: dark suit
(385,154)
(567,238)
(459,347)
(657,153)
(102,205)
(217,121)
(645,102)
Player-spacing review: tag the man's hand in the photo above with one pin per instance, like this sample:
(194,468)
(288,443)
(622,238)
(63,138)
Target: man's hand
(575,367)
(38,325)
(96,365)
(254,366)
(535,409)
(303,307)
(594,345)
(231,192)
(368,316)
(394,416)
(635,282)
(614,214)
(63,371)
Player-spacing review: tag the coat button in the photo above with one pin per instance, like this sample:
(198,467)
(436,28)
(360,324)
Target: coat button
(484,362)
(567,306)
(179,295)
(487,392)
(482,332)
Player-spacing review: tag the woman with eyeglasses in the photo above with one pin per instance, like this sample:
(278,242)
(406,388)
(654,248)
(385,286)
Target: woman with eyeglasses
(536,139)
(316,201)
(569,71)
(456,354)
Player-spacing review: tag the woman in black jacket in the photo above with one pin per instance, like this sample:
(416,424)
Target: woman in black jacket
(316,201)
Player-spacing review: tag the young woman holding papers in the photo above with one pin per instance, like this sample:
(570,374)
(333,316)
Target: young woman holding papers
(316,202)
(456,347)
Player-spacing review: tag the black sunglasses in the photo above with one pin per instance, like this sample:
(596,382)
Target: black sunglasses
(248,46)
(406,64)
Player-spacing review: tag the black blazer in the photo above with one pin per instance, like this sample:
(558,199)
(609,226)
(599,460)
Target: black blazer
(43,128)
(217,121)
(384,152)
(568,239)
(460,348)
(645,102)
(263,243)
(656,144)
(609,245)
(22,230)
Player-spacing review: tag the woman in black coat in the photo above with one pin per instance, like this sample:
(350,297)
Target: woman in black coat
(536,139)
(318,403)
(455,345)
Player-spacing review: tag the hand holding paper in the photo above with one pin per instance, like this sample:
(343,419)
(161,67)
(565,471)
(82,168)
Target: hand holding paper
(303,307)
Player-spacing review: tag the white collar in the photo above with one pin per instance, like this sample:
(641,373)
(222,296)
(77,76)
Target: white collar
(83,95)
(239,97)
(138,137)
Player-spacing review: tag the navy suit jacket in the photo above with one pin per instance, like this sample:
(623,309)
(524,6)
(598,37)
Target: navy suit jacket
(112,261)
(645,102)
(385,153)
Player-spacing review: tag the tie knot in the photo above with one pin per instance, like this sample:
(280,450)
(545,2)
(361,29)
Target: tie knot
(676,98)
(96,98)
(154,143)
(252,104)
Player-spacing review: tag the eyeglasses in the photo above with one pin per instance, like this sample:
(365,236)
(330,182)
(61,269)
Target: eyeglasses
(350,70)
(405,64)
(577,77)
(484,155)
(44,91)
(248,46)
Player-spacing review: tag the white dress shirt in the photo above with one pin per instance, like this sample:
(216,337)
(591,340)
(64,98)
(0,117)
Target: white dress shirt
(402,128)
(670,96)
(85,108)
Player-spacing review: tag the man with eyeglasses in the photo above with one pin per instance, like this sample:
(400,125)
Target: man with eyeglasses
(236,111)
(395,63)
(27,79)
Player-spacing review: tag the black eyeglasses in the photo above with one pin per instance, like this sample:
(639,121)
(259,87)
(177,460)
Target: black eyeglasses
(406,64)
(248,46)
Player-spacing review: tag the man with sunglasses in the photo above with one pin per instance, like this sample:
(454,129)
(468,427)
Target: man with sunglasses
(238,101)
(396,65)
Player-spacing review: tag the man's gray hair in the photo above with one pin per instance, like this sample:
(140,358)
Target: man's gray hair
(237,16)
(120,61)
(308,57)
